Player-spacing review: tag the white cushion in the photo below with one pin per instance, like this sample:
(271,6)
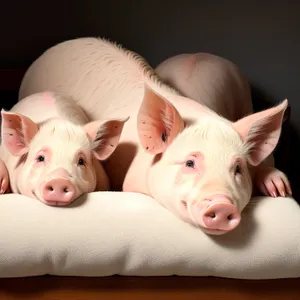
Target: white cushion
(110,233)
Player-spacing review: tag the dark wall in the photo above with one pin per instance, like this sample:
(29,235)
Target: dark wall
(261,37)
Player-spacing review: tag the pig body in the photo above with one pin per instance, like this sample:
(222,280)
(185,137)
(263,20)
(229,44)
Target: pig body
(189,156)
(48,149)
(206,79)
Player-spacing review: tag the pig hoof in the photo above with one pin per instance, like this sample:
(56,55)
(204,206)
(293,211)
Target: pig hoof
(3,185)
(272,182)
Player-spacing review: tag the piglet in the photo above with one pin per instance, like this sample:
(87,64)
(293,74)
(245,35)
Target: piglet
(52,152)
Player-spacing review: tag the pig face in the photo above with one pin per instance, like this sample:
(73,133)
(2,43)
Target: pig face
(202,172)
(59,160)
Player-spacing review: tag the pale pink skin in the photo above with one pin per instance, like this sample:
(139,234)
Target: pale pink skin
(51,151)
(167,131)
(4,178)
(185,72)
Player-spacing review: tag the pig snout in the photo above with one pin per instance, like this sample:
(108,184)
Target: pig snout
(221,216)
(58,191)
(216,214)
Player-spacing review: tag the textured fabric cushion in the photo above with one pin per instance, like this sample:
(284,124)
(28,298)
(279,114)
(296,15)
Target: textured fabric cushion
(111,233)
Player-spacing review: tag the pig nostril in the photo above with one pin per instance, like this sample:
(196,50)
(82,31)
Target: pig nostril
(230,217)
(184,204)
(50,188)
(212,215)
(66,190)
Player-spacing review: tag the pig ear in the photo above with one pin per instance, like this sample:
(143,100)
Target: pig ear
(105,136)
(158,122)
(261,131)
(17,132)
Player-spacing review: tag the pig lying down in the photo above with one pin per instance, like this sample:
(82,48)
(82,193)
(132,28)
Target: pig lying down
(180,71)
(189,155)
(50,151)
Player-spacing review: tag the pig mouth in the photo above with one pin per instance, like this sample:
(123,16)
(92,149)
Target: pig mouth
(49,203)
(213,231)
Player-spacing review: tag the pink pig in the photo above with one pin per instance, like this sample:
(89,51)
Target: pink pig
(189,156)
(185,72)
(51,151)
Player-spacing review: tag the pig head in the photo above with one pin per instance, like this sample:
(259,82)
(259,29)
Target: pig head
(201,172)
(57,161)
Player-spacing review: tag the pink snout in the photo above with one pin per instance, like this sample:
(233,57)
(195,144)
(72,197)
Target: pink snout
(221,216)
(58,191)
(216,215)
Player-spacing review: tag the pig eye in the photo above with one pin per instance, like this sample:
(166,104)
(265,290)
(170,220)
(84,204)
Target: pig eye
(40,158)
(237,170)
(190,163)
(81,161)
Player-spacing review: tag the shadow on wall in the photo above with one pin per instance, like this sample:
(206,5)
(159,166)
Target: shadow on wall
(287,151)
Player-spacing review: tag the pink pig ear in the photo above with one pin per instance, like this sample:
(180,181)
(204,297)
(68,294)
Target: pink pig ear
(261,131)
(17,131)
(105,136)
(158,122)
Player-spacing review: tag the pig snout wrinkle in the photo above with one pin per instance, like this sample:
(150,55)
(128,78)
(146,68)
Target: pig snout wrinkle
(58,190)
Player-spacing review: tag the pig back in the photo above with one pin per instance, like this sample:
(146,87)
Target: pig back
(106,80)
(210,80)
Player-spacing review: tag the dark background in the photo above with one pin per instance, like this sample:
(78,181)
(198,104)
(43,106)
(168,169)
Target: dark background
(261,37)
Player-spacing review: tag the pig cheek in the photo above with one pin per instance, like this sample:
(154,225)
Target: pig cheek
(91,180)
(185,182)
(187,170)
(158,181)
(24,182)
(29,180)
(248,188)
(86,179)
(36,175)
(186,174)
(244,190)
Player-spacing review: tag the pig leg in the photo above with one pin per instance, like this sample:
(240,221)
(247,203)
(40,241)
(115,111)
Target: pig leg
(195,76)
(4,178)
(271,181)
